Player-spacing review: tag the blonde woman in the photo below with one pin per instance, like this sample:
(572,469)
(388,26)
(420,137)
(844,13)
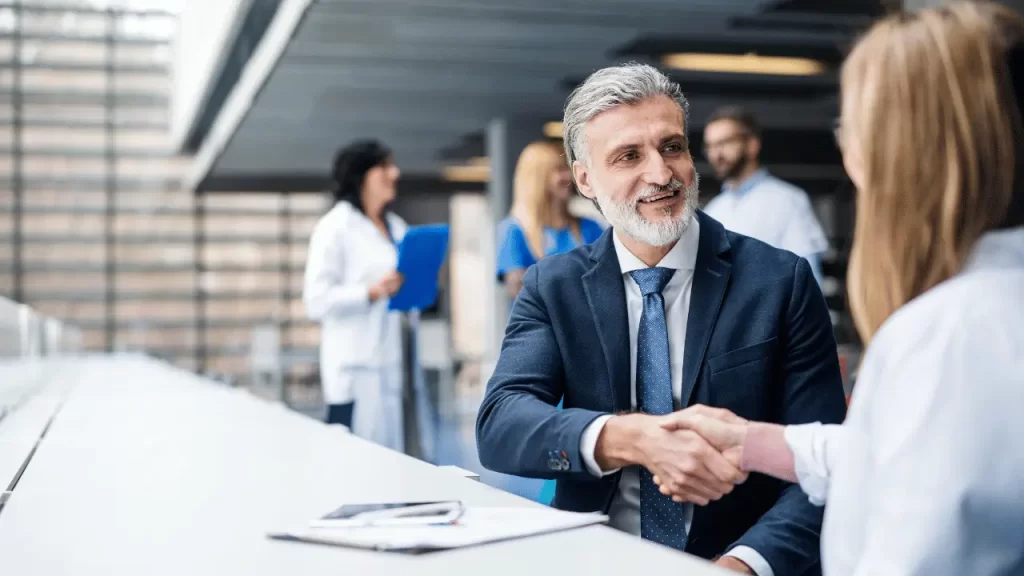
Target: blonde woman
(926,476)
(539,224)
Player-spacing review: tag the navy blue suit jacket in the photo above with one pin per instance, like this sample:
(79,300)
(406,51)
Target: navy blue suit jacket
(758,341)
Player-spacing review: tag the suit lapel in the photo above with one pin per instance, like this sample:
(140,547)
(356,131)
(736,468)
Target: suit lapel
(606,296)
(710,279)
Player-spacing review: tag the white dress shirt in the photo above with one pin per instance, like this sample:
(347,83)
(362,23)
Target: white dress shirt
(774,212)
(926,475)
(347,254)
(625,507)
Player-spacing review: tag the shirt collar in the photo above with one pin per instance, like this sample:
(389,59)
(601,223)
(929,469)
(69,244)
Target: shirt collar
(682,256)
(998,249)
(747,185)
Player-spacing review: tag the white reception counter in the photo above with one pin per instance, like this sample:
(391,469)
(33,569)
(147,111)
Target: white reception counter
(145,469)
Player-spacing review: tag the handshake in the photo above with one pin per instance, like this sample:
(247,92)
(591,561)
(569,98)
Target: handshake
(693,454)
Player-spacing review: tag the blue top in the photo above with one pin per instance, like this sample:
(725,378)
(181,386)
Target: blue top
(514,252)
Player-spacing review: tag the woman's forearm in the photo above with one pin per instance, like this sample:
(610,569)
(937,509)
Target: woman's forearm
(765,450)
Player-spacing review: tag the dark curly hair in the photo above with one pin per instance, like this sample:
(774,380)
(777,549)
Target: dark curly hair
(351,164)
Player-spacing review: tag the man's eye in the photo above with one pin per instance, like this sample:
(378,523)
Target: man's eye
(675,147)
(629,156)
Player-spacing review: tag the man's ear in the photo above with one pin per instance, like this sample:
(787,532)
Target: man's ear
(754,147)
(582,177)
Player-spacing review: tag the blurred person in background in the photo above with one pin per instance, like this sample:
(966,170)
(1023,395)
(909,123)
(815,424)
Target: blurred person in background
(753,202)
(926,475)
(539,223)
(350,275)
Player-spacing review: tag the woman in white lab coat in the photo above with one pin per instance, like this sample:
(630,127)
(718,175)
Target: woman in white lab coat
(926,475)
(350,275)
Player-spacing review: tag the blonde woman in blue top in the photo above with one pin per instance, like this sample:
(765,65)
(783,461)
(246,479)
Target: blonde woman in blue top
(539,223)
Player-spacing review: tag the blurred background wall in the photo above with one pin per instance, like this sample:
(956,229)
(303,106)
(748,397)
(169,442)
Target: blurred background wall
(163,162)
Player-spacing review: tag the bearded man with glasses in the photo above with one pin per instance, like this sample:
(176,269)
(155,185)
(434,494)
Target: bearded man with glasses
(753,202)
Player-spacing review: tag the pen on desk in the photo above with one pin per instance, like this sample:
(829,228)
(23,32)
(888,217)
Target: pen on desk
(433,514)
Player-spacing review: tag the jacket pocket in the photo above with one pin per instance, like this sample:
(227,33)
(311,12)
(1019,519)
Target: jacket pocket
(741,356)
(740,380)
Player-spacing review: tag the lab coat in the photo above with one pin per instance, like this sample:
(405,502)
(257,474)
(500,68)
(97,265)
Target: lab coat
(926,476)
(361,341)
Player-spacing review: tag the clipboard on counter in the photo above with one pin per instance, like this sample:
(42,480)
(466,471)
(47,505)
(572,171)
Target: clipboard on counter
(473,527)
(421,253)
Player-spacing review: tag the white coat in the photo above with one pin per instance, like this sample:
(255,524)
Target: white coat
(361,341)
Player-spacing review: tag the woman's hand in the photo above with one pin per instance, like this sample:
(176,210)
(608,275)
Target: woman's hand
(721,428)
(386,286)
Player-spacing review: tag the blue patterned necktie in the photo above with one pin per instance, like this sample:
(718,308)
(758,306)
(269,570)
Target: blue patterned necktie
(661,520)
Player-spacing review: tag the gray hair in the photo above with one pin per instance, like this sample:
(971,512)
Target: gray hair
(607,88)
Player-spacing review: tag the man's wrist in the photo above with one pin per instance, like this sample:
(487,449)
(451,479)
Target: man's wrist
(746,560)
(588,446)
(734,564)
(619,444)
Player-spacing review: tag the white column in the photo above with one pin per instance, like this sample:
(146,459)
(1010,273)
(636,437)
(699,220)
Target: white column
(505,139)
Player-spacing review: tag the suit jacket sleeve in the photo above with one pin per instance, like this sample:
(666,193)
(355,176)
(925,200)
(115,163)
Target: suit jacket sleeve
(788,535)
(520,429)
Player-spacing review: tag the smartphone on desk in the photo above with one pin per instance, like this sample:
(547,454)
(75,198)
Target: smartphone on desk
(392,514)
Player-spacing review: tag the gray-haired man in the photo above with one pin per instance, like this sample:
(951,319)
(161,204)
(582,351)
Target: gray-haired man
(666,311)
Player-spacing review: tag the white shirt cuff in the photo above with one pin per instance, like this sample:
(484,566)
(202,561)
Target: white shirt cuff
(809,444)
(588,443)
(751,558)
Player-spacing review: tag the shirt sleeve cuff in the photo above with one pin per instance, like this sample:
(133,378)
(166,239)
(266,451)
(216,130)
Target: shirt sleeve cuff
(751,558)
(807,443)
(588,443)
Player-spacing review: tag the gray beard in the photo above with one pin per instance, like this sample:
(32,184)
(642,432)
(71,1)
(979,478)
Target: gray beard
(625,217)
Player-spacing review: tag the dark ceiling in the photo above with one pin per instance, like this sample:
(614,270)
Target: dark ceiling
(427,75)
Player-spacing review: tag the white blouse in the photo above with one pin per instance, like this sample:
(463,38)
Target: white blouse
(926,476)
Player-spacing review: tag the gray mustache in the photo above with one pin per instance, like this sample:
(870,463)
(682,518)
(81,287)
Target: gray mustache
(672,186)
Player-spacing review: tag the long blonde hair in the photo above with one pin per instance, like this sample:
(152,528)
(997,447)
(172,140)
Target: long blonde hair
(531,205)
(928,97)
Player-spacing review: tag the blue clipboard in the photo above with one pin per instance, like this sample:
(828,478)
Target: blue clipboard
(420,255)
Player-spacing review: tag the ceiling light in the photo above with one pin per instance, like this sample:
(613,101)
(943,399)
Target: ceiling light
(477,170)
(744,64)
(553,129)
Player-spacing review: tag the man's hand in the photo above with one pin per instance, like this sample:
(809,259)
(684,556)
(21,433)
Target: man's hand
(684,464)
(730,563)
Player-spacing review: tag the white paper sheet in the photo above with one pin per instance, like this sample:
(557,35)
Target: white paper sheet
(479,525)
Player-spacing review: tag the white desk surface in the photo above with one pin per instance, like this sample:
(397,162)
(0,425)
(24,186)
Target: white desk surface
(150,470)
(30,397)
